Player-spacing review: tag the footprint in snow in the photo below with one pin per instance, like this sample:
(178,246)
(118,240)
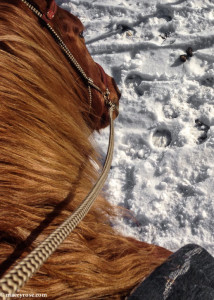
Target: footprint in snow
(161,138)
(203,128)
(140,84)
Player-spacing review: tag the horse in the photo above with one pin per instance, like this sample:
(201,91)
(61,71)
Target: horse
(48,160)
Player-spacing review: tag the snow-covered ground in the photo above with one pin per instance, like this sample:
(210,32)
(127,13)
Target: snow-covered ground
(163,167)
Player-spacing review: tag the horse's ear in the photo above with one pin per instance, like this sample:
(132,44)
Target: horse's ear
(47,7)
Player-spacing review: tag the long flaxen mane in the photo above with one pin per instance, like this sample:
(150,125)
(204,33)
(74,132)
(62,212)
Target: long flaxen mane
(46,170)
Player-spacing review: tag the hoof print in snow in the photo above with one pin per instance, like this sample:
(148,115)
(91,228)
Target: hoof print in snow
(138,83)
(165,35)
(209,81)
(162,138)
(133,80)
(123,28)
(203,128)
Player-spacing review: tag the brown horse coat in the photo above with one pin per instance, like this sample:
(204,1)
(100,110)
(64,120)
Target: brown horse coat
(46,163)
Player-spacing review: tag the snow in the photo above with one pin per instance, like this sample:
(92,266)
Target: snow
(163,163)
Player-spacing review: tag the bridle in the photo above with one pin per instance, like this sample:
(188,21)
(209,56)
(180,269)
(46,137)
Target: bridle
(26,268)
(47,17)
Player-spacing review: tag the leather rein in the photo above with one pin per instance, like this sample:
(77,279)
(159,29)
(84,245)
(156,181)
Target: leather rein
(15,279)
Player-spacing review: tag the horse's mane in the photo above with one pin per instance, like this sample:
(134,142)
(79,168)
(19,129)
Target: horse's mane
(46,170)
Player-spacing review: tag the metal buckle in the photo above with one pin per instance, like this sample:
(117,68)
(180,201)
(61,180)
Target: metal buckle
(106,94)
(108,102)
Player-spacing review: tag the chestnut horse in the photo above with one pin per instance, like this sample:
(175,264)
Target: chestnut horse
(47,161)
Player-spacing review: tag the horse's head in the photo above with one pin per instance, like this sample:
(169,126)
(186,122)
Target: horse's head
(71,30)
